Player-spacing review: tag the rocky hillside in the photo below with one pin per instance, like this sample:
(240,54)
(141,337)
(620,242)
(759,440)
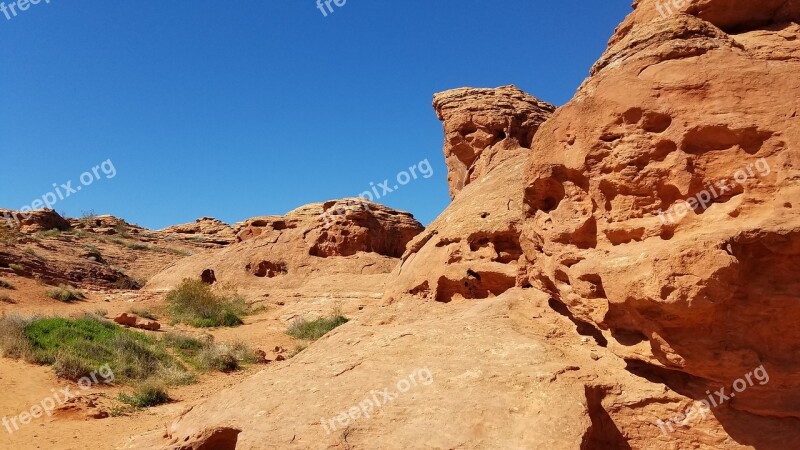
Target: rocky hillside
(601,271)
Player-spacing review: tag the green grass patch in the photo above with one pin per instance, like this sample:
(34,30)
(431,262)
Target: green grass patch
(197,304)
(77,347)
(311,330)
(146,396)
(17,268)
(6,285)
(65,294)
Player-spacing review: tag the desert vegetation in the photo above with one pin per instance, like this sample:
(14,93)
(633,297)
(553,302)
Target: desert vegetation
(311,330)
(196,304)
(146,395)
(64,293)
(77,347)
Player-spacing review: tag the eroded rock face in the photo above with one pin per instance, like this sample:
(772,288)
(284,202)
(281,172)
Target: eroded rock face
(348,236)
(471,250)
(483,126)
(662,200)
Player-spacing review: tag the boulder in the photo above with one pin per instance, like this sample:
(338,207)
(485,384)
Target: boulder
(134,321)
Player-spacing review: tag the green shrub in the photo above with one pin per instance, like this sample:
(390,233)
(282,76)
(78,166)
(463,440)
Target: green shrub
(65,294)
(195,303)
(17,268)
(315,329)
(146,395)
(6,285)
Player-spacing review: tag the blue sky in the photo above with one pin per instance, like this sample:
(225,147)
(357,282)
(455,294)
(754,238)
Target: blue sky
(255,107)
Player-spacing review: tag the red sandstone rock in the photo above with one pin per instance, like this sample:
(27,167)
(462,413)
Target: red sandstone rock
(206,229)
(33,221)
(484,126)
(134,321)
(675,104)
(471,250)
(335,238)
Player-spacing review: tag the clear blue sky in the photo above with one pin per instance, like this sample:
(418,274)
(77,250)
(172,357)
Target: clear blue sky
(254,107)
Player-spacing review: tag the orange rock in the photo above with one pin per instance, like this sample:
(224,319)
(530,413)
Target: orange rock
(134,321)
(484,126)
(675,109)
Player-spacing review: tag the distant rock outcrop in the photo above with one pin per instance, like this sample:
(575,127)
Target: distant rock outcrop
(348,236)
(206,229)
(30,222)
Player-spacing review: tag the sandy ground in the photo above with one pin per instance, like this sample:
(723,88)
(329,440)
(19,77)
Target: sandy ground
(24,385)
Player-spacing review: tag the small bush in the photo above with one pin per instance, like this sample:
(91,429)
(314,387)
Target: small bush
(65,294)
(80,234)
(13,342)
(16,268)
(49,233)
(9,235)
(146,395)
(6,285)
(121,229)
(195,303)
(296,351)
(315,329)
(93,252)
(204,354)
(32,252)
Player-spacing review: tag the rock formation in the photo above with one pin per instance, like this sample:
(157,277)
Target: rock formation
(206,229)
(33,221)
(662,203)
(324,239)
(471,250)
(485,126)
(650,226)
